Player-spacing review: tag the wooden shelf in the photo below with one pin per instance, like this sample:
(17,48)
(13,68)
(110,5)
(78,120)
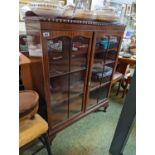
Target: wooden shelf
(67,73)
(78,53)
(61,62)
(101,50)
(98,85)
(93,102)
(107,61)
(63,98)
(103,100)
(75,91)
(57,116)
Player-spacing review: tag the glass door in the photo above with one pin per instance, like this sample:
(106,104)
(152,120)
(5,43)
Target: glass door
(102,67)
(78,72)
(68,54)
(58,54)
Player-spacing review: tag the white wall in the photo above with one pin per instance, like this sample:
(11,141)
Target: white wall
(22,29)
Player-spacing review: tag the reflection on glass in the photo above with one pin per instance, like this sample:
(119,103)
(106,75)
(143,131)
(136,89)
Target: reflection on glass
(100,71)
(79,53)
(75,105)
(113,42)
(102,93)
(55,45)
(67,73)
(59,98)
(104,60)
(58,53)
(78,63)
(98,95)
(58,68)
(112,51)
(76,92)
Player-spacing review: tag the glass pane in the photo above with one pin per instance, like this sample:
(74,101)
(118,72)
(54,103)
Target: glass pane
(59,99)
(76,92)
(99,70)
(102,69)
(102,93)
(112,49)
(113,42)
(98,95)
(79,53)
(58,50)
(93,98)
(78,73)
(102,43)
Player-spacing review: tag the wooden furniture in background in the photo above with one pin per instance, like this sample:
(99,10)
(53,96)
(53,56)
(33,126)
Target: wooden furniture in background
(117,77)
(77,62)
(120,73)
(25,71)
(123,67)
(125,83)
(28,104)
(130,61)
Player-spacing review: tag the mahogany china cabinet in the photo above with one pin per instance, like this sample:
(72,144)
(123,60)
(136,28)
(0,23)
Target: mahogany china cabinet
(73,62)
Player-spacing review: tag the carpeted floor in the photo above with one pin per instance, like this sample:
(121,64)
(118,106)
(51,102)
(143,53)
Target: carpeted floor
(91,135)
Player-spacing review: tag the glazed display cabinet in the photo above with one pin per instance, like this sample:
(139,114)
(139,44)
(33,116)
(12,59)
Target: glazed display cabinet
(73,62)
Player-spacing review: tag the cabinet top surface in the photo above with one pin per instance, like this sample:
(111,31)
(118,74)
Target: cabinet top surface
(72,21)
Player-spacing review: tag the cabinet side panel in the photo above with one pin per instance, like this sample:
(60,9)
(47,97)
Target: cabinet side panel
(38,86)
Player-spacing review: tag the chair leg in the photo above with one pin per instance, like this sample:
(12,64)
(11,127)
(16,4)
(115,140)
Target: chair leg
(125,89)
(47,143)
(120,82)
(123,94)
(105,107)
(127,82)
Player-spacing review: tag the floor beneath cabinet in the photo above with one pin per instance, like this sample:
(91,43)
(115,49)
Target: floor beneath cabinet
(91,135)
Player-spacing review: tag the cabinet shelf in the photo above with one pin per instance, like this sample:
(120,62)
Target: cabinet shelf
(78,53)
(91,101)
(81,50)
(58,56)
(61,73)
(63,98)
(75,91)
(101,61)
(109,61)
(97,85)
(101,50)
